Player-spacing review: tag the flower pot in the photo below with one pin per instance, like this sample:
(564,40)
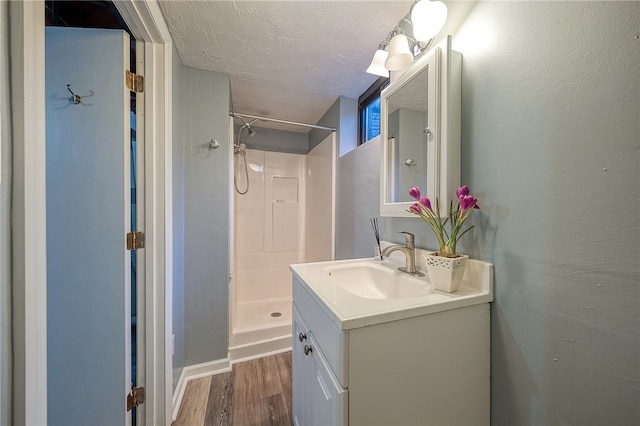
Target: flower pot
(446,273)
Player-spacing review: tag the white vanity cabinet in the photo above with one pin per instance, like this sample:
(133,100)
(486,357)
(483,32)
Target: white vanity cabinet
(412,369)
(318,397)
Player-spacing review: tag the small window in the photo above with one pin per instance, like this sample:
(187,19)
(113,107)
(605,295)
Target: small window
(369,111)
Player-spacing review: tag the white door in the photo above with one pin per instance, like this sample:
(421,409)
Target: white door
(88,216)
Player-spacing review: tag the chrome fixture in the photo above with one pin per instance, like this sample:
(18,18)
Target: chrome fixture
(240,151)
(74,99)
(275,120)
(245,125)
(213,144)
(239,148)
(410,38)
(409,251)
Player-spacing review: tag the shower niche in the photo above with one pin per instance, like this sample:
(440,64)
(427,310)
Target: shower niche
(285,217)
(284,214)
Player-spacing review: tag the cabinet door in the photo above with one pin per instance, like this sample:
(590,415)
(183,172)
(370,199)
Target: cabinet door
(318,398)
(300,371)
(327,398)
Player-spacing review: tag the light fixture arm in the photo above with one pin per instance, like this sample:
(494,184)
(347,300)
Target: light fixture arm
(417,47)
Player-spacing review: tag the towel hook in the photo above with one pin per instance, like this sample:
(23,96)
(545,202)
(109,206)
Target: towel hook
(74,99)
(213,144)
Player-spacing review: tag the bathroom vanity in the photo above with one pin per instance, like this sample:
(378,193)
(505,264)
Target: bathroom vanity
(375,346)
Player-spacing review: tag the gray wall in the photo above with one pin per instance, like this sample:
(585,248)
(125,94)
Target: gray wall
(206,216)
(550,143)
(178,216)
(357,200)
(267,139)
(551,128)
(342,116)
(358,190)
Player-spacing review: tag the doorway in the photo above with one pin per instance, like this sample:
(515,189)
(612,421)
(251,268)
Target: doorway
(89,46)
(29,396)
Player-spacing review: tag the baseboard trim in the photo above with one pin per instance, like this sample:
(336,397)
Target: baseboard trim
(177,396)
(260,355)
(196,371)
(260,349)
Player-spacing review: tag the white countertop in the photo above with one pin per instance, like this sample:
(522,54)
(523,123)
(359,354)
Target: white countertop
(349,311)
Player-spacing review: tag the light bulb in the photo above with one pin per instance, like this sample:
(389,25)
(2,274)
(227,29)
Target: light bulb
(428,18)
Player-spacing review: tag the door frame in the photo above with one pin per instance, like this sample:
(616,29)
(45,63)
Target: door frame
(29,261)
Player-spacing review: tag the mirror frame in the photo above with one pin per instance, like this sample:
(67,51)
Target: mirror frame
(443,150)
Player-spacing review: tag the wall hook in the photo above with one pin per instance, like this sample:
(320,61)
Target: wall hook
(74,99)
(213,144)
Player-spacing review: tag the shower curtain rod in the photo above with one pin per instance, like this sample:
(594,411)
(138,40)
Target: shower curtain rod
(275,120)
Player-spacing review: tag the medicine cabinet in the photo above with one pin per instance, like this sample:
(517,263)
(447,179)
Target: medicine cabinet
(420,130)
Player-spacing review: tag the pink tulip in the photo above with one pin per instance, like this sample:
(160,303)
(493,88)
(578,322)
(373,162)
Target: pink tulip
(458,214)
(467,202)
(415,193)
(463,190)
(426,202)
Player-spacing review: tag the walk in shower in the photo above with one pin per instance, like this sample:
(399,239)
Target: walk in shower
(283,213)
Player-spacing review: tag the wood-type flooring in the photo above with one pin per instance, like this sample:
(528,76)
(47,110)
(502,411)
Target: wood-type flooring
(254,393)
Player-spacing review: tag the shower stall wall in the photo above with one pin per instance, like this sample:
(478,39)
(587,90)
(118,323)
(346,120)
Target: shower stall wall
(286,217)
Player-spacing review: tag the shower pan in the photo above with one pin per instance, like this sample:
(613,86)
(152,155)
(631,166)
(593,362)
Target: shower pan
(283,213)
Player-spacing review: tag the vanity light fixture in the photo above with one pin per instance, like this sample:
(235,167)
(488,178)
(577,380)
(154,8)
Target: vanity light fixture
(377,64)
(427,17)
(398,50)
(400,56)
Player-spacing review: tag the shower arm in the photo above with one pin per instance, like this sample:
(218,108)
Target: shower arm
(245,125)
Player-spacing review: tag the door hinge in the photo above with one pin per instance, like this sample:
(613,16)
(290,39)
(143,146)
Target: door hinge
(134,82)
(135,397)
(135,240)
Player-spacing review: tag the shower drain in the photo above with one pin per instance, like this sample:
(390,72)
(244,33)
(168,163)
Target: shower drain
(276,314)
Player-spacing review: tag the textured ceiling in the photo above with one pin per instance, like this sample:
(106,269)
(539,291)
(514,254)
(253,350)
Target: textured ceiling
(288,60)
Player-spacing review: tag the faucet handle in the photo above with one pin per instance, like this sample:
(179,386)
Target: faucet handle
(408,236)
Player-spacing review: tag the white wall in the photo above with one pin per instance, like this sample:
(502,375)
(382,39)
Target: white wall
(268,224)
(319,210)
(285,217)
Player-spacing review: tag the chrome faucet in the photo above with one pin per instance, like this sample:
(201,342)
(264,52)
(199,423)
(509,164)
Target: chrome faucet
(409,251)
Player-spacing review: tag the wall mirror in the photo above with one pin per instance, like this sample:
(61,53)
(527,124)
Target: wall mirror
(420,130)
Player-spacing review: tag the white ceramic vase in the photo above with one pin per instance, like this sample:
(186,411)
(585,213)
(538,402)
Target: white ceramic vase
(446,273)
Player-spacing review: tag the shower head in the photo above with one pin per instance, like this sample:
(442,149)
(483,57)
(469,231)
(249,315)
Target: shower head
(246,125)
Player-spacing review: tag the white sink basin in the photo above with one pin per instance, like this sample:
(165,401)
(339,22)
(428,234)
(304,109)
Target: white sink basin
(382,280)
(362,292)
